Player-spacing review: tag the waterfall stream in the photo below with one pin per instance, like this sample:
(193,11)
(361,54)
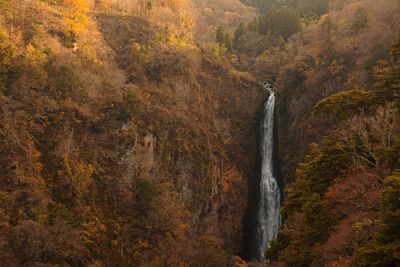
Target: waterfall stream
(268,216)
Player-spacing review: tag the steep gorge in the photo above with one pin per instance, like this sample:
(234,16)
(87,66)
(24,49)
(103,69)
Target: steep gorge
(121,130)
(128,142)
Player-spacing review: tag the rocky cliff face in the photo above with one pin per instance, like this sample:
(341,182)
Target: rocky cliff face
(203,139)
(140,144)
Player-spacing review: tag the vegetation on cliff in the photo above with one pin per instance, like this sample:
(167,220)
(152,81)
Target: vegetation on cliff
(337,81)
(123,141)
(128,130)
(342,208)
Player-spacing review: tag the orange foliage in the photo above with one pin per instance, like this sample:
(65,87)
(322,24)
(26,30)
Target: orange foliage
(356,192)
(75,16)
(338,249)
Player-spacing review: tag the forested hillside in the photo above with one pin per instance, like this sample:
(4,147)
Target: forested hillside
(129,131)
(342,209)
(123,141)
(338,82)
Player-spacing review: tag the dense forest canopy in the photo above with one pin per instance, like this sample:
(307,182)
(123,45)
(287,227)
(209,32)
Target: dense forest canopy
(128,130)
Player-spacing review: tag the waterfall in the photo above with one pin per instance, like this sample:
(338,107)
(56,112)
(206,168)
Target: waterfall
(268,216)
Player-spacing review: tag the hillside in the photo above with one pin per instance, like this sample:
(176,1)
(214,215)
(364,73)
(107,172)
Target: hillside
(122,144)
(131,132)
(337,84)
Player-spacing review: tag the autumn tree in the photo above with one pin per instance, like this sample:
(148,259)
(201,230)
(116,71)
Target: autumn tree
(75,17)
(360,21)
(371,139)
(5,7)
(383,250)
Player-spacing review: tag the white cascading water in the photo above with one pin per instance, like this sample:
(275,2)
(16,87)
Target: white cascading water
(269,218)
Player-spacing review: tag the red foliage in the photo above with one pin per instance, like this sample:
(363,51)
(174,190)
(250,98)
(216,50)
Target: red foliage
(356,192)
(344,238)
(355,204)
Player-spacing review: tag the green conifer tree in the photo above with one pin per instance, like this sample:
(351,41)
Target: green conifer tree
(238,33)
(228,42)
(220,36)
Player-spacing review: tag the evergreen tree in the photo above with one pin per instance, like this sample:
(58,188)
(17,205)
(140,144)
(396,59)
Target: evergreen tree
(311,8)
(228,41)
(265,5)
(253,25)
(238,33)
(220,37)
(387,76)
(384,249)
(280,22)
(7,55)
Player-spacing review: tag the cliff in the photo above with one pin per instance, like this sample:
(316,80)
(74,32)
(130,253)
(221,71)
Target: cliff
(122,145)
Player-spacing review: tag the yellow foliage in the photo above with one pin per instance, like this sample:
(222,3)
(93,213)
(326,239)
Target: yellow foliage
(94,232)
(4,220)
(34,56)
(136,47)
(213,50)
(87,53)
(75,16)
(181,44)
(238,262)
(80,175)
